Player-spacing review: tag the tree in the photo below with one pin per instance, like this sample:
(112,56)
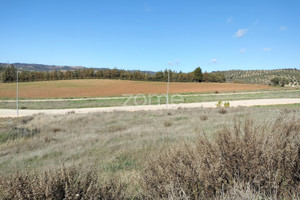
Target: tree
(99,74)
(159,76)
(279,81)
(284,81)
(9,74)
(198,76)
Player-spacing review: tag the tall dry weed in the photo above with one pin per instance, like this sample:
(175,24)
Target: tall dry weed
(64,183)
(265,156)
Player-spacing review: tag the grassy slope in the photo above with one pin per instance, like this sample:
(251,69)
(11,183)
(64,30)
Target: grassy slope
(261,76)
(116,144)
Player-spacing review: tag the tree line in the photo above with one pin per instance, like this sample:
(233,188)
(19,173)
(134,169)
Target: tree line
(9,74)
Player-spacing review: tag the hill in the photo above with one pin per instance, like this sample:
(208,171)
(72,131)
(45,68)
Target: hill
(43,68)
(263,76)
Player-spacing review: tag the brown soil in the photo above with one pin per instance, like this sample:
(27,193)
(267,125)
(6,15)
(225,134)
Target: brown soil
(98,88)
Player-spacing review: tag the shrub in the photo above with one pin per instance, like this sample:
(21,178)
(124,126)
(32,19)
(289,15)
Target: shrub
(219,104)
(279,81)
(227,104)
(265,157)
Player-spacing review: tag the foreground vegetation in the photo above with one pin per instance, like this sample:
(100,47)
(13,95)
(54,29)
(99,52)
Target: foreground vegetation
(232,153)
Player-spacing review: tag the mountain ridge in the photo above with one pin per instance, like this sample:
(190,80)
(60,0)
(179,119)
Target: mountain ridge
(44,67)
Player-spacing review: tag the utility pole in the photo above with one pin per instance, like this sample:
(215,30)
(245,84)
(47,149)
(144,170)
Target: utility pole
(168,85)
(17,92)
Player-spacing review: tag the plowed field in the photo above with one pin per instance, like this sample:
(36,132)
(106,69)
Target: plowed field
(99,87)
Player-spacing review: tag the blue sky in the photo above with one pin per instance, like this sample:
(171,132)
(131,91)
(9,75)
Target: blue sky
(148,34)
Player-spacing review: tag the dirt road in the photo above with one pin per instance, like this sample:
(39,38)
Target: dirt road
(255,102)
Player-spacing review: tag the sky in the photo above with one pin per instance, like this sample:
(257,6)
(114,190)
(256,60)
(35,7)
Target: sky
(152,34)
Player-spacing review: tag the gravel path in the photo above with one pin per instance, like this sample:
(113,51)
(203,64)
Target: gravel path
(255,102)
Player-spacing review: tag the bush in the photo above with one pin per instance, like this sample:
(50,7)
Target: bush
(219,104)
(279,81)
(265,157)
(64,183)
(227,104)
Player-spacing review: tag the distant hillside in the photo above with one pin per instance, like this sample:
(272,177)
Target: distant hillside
(263,76)
(42,68)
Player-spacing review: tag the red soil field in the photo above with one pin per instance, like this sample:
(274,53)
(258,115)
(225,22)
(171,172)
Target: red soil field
(103,87)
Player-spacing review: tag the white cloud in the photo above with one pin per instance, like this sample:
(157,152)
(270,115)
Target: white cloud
(267,49)
(283,28)
(241,32)
(214,60)
(229,19)
(242,51)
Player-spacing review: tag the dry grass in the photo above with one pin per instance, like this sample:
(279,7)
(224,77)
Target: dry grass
(267,157)
(63,183)
(242,191)
(167,124)
(222,111)
(119,144)
(99,87)
(203,117)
